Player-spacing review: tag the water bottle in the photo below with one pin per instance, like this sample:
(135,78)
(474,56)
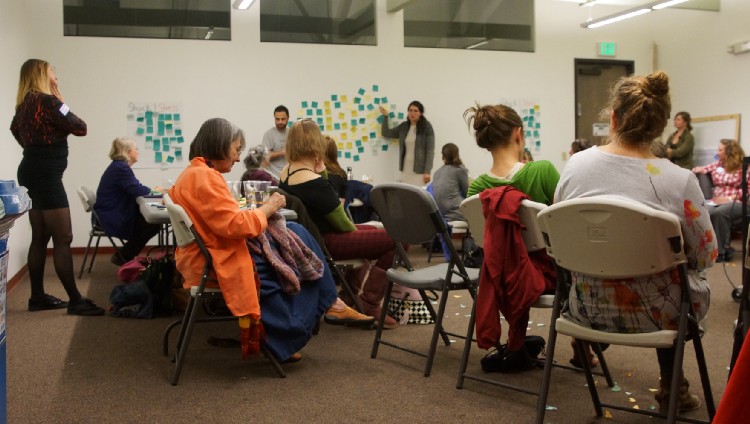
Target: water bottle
(349,173)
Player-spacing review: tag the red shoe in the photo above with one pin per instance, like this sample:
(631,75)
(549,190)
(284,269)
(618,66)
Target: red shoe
(389,323)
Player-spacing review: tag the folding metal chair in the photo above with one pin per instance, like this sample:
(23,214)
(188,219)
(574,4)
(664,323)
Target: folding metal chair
(410,216)
(88,199)
(185,234)
(613,238)
(471,209)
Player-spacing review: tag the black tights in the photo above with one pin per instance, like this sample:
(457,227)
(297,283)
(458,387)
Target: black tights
(665,356)
(54,224)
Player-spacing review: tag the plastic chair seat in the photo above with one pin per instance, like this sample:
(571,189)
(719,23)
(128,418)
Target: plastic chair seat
(431,278)
(663,338)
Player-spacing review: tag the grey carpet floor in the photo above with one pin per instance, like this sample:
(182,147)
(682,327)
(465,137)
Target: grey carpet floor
(67,369)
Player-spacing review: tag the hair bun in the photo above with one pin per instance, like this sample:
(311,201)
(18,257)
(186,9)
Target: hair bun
(657,84)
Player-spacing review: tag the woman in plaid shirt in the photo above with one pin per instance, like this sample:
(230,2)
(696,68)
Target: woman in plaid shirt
(725,207)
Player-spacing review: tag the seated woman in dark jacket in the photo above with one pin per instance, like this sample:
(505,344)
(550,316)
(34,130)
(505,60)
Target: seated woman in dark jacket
(115,201)
(256,161)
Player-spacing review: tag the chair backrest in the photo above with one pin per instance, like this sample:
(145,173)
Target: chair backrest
(611,237)
(471,209)
(88,198)
(408,213)
(181,223)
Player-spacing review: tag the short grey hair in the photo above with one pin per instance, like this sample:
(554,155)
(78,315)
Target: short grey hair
(215,138)
(120,148)
(255,156)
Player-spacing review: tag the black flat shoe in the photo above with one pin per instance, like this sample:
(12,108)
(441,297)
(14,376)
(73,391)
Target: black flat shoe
(46,303)
(85,308)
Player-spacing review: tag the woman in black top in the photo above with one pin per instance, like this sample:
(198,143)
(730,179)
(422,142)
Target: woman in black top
(41,126)
(336,175)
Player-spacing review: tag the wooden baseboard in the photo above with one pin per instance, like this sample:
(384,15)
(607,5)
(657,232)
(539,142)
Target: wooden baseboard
(14,280)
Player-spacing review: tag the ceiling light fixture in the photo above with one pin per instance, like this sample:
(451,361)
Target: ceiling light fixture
(242,4)
(588,3)
(209,33)
(626,14)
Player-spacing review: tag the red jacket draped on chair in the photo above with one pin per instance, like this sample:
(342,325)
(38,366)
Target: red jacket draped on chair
(511,280)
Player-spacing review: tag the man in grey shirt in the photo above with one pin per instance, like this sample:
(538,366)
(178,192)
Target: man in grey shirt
(275,140)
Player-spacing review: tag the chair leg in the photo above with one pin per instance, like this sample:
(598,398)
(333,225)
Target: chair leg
(93,254)
(183,340)
(165,338)
(581,352)
(274,361)
(705,382)
(85,256)
(549,362)
(429,307)
(603,363)
(467,348)
(438,330)
(381,320)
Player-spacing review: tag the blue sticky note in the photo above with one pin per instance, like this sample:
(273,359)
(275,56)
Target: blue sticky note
(532,111)
(375,88)
(304,104)
(361,91)
(391,115)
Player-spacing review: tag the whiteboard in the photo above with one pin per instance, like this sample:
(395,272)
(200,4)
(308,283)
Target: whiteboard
(709,131)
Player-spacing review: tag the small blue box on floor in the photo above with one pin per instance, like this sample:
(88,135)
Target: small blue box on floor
(7,186)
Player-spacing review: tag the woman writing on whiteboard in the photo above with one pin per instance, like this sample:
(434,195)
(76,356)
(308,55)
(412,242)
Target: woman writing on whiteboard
(416,144)
(41,126)
(681,143)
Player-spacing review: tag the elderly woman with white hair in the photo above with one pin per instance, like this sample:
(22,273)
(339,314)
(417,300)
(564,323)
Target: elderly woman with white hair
(256,163)
(116,205)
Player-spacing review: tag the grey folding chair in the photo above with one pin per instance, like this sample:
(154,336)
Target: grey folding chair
(471,209)
(88,199)
(185,234)
(609,237)
(410,216)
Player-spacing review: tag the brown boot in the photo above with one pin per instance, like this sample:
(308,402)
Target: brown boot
(372,295)
(685,402)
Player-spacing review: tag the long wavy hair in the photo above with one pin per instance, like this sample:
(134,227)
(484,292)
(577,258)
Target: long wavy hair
(33,79)
(733,155)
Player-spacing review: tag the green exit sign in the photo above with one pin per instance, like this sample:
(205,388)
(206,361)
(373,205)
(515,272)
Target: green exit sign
(606,48)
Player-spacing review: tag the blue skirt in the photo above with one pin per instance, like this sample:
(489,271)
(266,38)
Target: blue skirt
(289,319)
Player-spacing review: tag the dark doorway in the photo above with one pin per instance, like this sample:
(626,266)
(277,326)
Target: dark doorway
(593,82)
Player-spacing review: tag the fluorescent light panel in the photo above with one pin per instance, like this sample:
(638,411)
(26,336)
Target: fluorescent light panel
(479,44)
(641,10)
(242,4)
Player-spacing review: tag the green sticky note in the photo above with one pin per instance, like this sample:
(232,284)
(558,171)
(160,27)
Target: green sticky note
(149,114)
(538,125)
(336,126)
(384,100)
(375,88)
(362,120)
(361,149)
(178,131)
(354,122)
(337,105)
(377,100)
(358,142)
(347,155)
(536,133)
(320,122)
(361,91)
(170,159)
(314,105)
(338,153)
(176,117)
(532,111)
(334,97)
(157,157)
(538,143)
(356,158)
(178,154)
(526,119)
(169,127)
(384,147)
(165,146)
(309,112)
(372,134)
(361,108)
(148,139)
(357,100)
(380,119)
(157,145)
(304,104)
(528,134)
(318,111)
(180,140)
(370,106)
(139,131)
(139,119)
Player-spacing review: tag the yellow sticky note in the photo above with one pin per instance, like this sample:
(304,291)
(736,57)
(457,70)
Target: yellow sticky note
(329,120)
(328,112)
(348,145)
(343,98)
(343,136)
(344,125)
(339,145)
(327,104)
(342,116)
(329,127)
(365,138)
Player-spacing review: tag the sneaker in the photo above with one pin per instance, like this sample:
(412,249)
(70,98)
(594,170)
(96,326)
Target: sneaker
(347,316)
(505,361)
(45,303)
(84,307)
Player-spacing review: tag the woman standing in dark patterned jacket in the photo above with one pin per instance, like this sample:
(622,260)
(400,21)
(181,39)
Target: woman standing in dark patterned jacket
(41,126)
